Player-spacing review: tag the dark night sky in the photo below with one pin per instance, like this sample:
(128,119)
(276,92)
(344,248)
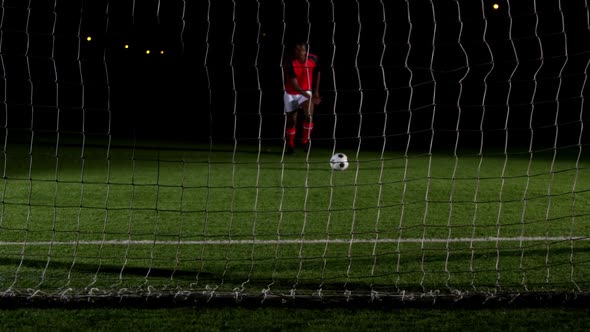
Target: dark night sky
(56,78)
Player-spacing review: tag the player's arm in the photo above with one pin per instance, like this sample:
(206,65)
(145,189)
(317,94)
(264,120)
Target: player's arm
(296,86)
(291,77)
(316,99)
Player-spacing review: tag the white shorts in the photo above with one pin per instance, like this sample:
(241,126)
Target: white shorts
(293,102)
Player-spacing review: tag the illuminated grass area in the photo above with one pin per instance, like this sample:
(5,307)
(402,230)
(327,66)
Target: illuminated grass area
(224,218)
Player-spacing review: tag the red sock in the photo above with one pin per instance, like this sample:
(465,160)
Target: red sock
(307,129)
(290,136)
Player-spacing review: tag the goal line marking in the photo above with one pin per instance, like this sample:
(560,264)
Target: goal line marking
(299,241)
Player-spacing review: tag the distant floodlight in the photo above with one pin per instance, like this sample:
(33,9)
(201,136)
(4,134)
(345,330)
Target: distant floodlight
(88,38)
(162,52)
(126,46)
(147,52)
(496,6)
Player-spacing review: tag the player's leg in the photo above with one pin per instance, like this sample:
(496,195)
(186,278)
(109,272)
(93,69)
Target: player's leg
(308,108)
(291,106)
(290,130)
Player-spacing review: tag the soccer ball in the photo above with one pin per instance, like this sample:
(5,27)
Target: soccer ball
(339,161)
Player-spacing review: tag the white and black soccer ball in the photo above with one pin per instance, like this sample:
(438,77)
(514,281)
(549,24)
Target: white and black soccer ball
(339,161)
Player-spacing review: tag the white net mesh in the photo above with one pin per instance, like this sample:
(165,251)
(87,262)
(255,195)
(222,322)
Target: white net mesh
(144,153)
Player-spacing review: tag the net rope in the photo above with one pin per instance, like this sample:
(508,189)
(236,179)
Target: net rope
(88,214)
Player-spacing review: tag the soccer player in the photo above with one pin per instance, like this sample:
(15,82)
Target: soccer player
(302,82)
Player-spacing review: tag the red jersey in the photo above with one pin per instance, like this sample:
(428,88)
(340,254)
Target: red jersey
(303,72)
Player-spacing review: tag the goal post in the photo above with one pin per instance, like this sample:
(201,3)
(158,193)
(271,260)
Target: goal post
(144,154)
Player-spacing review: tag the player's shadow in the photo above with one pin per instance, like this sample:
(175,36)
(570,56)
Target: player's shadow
(40,264)
(93,268)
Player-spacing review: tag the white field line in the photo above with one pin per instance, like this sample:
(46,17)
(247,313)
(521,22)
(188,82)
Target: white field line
(299,241)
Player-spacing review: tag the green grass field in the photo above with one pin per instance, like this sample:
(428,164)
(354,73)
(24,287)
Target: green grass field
(288,319)
(114,219)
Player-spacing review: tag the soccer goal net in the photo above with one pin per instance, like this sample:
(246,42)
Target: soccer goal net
(146,151)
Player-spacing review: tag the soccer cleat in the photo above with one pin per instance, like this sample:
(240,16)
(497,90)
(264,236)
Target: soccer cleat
(306,146)
(290,150)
